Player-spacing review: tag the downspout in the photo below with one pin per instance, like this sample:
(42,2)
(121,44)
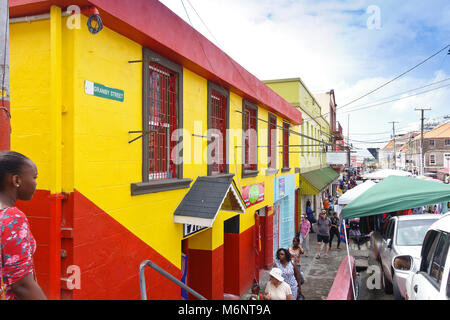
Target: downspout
(56,195)
(5,116)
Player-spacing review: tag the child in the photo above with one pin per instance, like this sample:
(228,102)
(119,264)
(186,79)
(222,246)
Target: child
(256,295)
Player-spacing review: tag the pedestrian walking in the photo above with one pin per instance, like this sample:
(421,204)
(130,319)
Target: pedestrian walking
(334,231)
(310,215)
(323,233)
(296,250)
(305,227)
(289,271)
(18,176)
(277,288)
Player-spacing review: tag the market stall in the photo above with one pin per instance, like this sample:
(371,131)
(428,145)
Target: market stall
(384,173)
(396,193)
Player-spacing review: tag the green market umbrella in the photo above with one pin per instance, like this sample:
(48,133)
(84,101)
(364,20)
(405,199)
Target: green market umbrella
(397,193)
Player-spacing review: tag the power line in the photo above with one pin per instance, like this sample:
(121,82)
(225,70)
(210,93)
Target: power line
(412,95)
(402,93)
(399,76)
(390,81)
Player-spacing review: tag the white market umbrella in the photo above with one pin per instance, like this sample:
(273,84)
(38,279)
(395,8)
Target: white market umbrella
(355,192)
(384,173)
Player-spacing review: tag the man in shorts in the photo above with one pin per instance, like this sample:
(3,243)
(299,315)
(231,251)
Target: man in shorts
(323,233)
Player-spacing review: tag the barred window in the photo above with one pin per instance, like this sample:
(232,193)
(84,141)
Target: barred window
(162,117)
(272,153)
(218,108)
(162,121)
(249,126)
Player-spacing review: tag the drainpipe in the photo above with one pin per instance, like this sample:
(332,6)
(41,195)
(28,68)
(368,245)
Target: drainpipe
(5,116)
(56,195)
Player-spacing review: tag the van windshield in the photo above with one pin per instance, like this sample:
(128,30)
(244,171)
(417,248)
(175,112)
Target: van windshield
(412,232)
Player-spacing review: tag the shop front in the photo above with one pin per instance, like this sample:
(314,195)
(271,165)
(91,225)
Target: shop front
(283,212)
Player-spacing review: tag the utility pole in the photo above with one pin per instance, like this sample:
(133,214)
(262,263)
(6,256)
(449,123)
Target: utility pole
(393,134)
(422,162)
(348,142)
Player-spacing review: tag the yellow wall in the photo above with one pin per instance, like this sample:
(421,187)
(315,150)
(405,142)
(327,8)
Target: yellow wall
(30,95)
(97,159)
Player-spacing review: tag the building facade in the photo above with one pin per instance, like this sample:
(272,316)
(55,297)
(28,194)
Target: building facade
(122,124)
(436,150)
(316,138)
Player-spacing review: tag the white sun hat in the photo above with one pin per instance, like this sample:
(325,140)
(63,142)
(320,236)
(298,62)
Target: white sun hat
(277,274)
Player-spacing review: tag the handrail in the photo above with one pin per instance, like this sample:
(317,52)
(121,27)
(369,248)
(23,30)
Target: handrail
(165,274)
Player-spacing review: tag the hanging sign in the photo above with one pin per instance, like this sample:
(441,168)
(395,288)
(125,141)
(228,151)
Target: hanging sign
(253,194)
(190,229)
(99,90)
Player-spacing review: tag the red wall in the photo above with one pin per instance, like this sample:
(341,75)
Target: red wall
(231,263)
(206,272)
(107,253)
(109,257)
(5,128)
(38,215)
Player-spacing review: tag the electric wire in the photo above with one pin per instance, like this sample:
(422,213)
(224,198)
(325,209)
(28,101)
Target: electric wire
(390,81)
(399,76)
(402,98)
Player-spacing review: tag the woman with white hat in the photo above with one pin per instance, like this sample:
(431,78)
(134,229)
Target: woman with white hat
(276,288)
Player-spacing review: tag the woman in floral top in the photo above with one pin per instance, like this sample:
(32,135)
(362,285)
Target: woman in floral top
(17,182)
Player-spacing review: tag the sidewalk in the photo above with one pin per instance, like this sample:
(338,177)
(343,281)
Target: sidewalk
(319,273)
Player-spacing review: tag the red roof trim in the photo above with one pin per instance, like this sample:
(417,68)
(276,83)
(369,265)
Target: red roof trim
(153,25)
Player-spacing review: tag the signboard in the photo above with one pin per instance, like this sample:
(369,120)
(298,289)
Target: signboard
(253,194)
(99,90)
(281,187)
(337,158)
(190,229)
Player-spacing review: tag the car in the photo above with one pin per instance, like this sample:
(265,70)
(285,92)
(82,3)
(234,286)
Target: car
(429,279)
(403,236)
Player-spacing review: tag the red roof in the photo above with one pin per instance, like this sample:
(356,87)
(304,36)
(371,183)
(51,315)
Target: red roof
(153,25)
(446,170)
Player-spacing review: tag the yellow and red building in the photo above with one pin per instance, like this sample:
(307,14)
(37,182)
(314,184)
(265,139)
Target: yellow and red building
(96,111)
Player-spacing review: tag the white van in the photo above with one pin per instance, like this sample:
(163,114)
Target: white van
(429,279)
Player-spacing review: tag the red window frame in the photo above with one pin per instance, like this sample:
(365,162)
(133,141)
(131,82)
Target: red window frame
(285,145)
(272,143)
(250,129)
(218,118)
(162,122)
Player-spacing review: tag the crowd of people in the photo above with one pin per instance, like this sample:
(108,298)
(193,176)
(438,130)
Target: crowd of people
(286,277)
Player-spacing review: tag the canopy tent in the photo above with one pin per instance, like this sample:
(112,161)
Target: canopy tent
(397,193)
(384,173)
(353,193)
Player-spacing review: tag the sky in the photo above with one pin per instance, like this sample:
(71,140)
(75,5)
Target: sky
(350,46)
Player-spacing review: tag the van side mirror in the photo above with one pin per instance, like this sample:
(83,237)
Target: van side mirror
(389,243)
(403,263)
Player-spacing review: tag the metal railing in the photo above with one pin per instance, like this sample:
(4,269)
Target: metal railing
(165,274)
